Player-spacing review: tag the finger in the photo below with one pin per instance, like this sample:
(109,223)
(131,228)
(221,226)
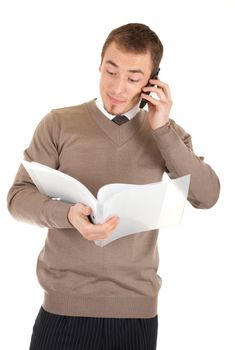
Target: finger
(103,228)
(87,211)
(99,235)
(162,85)
(83,209)
(161,95)
(157,91)
(105,233)
(150,99)
(158,82)
(106,227)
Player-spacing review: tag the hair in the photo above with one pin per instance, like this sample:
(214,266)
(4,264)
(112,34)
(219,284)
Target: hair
(136,38)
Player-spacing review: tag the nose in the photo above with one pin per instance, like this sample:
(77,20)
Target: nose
(119,86)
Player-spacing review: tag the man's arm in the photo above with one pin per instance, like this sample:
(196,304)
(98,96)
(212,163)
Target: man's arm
(24,201)
(27,204)
(175,145)
(176,148)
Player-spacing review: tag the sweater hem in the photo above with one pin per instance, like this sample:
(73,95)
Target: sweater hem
(105,306)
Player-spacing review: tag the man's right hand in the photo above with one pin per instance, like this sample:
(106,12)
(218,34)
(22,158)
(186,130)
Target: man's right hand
(78,217)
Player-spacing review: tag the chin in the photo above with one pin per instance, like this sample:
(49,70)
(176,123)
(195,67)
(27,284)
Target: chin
(113,109)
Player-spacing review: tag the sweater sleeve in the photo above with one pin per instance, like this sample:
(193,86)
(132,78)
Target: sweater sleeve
(175,145)
(25,202)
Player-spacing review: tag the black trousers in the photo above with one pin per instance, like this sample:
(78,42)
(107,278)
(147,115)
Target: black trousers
(57,332)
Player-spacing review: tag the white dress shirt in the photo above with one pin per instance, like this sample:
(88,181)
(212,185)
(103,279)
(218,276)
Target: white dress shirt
(129,114)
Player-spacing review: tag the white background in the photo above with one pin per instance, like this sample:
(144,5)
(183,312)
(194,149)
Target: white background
(50,53)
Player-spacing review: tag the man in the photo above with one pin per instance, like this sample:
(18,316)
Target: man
(106,298)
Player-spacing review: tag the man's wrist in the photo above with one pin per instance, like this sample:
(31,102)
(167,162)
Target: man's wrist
(161,126)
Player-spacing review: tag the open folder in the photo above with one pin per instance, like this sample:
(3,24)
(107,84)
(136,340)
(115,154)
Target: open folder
(139,207)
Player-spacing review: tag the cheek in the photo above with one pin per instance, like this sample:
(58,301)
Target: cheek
(105,84)
(135,91)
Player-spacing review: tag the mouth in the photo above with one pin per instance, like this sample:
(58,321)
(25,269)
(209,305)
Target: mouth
(114,100)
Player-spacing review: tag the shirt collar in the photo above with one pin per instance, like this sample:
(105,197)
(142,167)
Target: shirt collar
(129,114)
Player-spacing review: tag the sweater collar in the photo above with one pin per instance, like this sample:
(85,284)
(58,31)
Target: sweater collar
(119,134)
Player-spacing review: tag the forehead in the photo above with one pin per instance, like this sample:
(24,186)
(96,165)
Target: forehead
(128,60)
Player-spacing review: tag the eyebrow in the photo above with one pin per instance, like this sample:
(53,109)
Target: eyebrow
(130,70)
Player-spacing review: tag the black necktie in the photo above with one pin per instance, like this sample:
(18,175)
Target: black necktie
(120,119)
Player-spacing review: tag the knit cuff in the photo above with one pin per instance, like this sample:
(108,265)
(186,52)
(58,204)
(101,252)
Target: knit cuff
(55,213)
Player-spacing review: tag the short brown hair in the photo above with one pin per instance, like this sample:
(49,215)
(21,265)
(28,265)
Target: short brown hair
(136,38)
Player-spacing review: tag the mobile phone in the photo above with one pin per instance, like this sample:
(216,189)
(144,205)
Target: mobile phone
(154,75)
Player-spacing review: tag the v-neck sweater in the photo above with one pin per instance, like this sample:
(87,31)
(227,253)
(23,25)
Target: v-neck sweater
(118,134)
(80,278)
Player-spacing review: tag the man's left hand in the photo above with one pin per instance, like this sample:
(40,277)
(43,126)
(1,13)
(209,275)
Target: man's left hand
(158,109)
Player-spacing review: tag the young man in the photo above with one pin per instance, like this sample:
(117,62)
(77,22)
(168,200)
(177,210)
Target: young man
(106,298)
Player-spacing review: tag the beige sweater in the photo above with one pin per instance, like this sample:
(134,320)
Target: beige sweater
(80,278)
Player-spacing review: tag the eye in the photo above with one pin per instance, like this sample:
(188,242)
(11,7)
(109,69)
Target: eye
(133,80)
(110,73)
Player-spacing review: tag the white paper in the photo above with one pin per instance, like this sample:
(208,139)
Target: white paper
(162,206)
(139,207)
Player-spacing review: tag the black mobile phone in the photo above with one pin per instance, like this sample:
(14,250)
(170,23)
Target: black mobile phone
(153,76)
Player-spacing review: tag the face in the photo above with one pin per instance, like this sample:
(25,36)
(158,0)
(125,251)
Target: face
(123,75)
